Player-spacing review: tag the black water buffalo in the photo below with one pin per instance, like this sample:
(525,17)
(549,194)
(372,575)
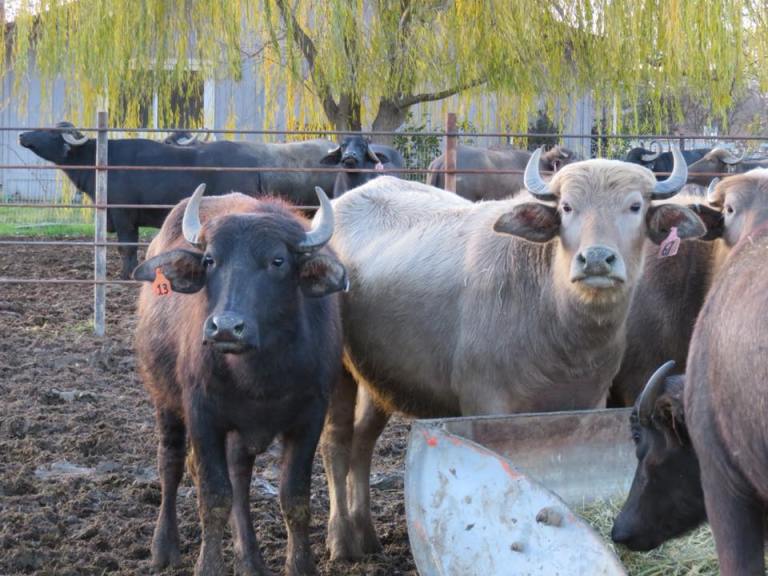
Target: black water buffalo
(237,342)
(665,500)
(661,162)
(667,300)
(461,308)
(358,152)
(68,147)
(721,161)
(476,187)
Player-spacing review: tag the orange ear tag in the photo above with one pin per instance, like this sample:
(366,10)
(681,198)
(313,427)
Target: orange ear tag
(161,285)
(670,244)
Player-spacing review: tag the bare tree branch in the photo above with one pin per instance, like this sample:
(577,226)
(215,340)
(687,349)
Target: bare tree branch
(411,99)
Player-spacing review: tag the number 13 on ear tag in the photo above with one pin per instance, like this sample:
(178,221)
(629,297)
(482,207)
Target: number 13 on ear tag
(161,285)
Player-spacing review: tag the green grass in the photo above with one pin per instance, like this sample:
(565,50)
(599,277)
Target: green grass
(690,555)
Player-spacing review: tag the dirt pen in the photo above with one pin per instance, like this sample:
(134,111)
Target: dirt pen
(78,487)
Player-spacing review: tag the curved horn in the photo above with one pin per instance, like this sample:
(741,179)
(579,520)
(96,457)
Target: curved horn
(533,181)
(671,186)
(186,140)
(651,392)
(711,190)
(190,225)
(730,159)
(322,225)
(650,157)
(73,140)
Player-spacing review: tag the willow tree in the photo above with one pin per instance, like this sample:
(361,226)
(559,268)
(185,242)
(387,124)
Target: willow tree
(349,64)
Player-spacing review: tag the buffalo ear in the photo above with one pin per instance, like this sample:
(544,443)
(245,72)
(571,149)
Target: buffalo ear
(333,157)
(322,274)
(378,156)
(713,220)
(662,218)
(532,221)
(183,268)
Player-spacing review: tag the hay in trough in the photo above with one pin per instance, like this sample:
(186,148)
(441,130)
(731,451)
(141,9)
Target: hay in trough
(690,555)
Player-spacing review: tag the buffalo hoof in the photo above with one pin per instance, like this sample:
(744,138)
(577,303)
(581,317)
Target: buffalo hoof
(210,563)
(251,567)
(165,551)
(366,536)
(300,567)
(341,542)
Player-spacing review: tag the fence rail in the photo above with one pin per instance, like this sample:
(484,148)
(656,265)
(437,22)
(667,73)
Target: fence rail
(99,205)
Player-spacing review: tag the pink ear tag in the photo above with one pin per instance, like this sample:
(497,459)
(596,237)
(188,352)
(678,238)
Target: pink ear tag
(670,244)
(379,167)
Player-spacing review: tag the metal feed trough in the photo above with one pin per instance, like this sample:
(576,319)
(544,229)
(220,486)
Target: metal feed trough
(492,496)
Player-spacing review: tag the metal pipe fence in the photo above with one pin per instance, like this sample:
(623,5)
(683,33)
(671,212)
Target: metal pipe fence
(417,169)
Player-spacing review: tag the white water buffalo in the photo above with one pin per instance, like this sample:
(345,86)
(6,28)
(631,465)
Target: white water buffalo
(476,187)
(508,306)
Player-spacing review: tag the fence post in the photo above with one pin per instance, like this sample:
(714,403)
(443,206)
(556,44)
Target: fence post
(100,229)
(450,152)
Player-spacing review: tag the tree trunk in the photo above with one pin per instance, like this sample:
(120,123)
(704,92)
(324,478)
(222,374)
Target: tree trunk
(347,116)
(389,117)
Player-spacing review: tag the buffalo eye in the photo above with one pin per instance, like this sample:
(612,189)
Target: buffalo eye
(636,207)
(728,209)
(208,261)
(277,262)
(566,208)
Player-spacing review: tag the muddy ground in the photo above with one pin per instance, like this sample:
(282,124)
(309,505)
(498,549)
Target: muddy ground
(78,487)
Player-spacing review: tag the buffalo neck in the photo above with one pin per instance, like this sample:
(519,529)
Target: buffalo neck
(84,155)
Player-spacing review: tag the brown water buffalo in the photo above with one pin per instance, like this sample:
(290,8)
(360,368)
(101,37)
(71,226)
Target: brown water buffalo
(727,381)
(666,496)
(238,342)
(498,307)
(720,161)
(667,300)
(476,187)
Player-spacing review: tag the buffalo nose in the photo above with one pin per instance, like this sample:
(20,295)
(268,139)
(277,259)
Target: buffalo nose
(619,534)
(597,261)
(226,327)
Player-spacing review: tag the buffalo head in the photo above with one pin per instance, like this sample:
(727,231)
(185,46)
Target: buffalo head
(666,499)
(354,152)
(717,161)
(743,202)
(601,214)
(54,145)
(255,267)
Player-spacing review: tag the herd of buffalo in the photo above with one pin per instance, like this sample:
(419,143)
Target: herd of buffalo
(599,285)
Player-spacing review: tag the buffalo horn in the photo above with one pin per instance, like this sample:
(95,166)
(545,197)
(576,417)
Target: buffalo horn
(671,186)
(533,181)
(654,145)
(711,190)
(322,225)
(71,139)
(190,225)
(651,391)
(186,140)
(372,156)
(730,159)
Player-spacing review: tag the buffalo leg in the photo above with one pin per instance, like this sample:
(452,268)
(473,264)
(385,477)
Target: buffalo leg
(370,422)
(127,231)
(214,493)
(171,450)
(240,464)
(737,523)
(299,447)
(335,448)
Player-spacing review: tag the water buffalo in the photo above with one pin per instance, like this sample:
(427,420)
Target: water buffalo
(238,342)
(665,500)
(497,307)
(68,147)
(476,187)
(357,152)
(666,497)
(727,381)
(661,162)
(720,161)
(667,300)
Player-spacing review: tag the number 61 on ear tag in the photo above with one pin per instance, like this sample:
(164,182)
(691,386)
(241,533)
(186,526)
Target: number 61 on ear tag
(161,285)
